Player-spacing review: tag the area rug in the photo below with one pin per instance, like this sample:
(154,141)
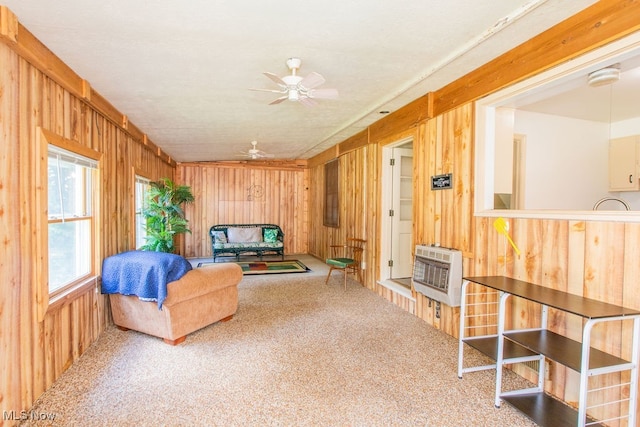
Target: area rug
(269,267)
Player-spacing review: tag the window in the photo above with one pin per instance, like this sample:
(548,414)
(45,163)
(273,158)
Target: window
(331,216)
(142,185)
(71,180)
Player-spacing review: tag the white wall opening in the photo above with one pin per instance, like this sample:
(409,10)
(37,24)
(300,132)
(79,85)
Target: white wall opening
(565,169)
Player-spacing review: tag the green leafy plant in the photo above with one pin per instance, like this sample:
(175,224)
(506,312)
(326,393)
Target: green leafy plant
(164,214)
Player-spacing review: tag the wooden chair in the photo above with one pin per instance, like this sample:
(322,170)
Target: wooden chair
(347,257)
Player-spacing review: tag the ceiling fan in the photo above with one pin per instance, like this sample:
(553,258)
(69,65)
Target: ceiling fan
(254,153)
(296,88)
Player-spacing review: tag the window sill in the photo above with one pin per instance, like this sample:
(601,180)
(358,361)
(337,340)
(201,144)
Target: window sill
(70,294)
(611,216)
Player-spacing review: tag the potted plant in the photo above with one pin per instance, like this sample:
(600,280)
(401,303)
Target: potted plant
(164,215)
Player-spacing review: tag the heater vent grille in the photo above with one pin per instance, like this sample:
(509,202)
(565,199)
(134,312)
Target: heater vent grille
(437,274)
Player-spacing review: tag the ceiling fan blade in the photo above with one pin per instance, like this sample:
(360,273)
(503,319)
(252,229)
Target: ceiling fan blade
(306,101)
(279,100)
(276,79)
(312,80)
(269,90)
(323,93)
(266,155)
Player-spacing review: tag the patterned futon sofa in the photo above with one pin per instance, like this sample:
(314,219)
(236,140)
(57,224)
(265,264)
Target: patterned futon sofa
(245,239)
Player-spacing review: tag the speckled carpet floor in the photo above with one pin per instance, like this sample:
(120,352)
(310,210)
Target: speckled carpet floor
(297,353)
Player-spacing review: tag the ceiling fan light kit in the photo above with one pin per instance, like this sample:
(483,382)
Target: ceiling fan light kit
(294,95)
(296,88)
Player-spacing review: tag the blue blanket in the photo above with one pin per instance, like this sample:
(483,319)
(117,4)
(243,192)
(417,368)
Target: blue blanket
(142,273)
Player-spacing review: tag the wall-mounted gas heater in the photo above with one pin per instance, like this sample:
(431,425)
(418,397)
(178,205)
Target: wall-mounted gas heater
(437,274)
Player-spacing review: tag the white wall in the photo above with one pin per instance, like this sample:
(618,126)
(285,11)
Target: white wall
(503,175)
(567,161)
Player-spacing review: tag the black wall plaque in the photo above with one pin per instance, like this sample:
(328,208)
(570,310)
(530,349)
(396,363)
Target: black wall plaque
(441,182)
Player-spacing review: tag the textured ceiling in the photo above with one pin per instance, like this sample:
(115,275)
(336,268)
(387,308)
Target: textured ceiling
(181,71)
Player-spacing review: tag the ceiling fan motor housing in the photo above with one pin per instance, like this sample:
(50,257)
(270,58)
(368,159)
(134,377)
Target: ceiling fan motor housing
(292,86)
(294,63)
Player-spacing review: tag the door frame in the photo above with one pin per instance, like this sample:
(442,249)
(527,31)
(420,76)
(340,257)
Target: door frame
(384,270)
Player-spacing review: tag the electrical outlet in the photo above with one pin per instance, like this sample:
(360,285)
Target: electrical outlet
(547,369)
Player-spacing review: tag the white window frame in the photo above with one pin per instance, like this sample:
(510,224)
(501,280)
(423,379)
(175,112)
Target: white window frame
(139,223)
(47,299)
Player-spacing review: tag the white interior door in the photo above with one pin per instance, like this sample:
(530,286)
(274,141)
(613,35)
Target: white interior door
(402,213)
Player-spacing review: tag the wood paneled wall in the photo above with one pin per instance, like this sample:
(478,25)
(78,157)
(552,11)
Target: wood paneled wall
(357,204)
(441,145)
(38,90)
(246,193)
(596,259)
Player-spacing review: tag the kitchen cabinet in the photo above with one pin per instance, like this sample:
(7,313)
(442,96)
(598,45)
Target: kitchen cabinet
(510,346)
(624,163)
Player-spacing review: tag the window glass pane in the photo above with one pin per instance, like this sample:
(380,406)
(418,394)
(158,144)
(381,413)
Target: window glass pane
(70,200)
(141,188)
(331,216)
(69,186)
(71,157)
(69,252)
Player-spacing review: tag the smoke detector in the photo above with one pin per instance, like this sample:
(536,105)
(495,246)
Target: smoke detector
(604,76)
